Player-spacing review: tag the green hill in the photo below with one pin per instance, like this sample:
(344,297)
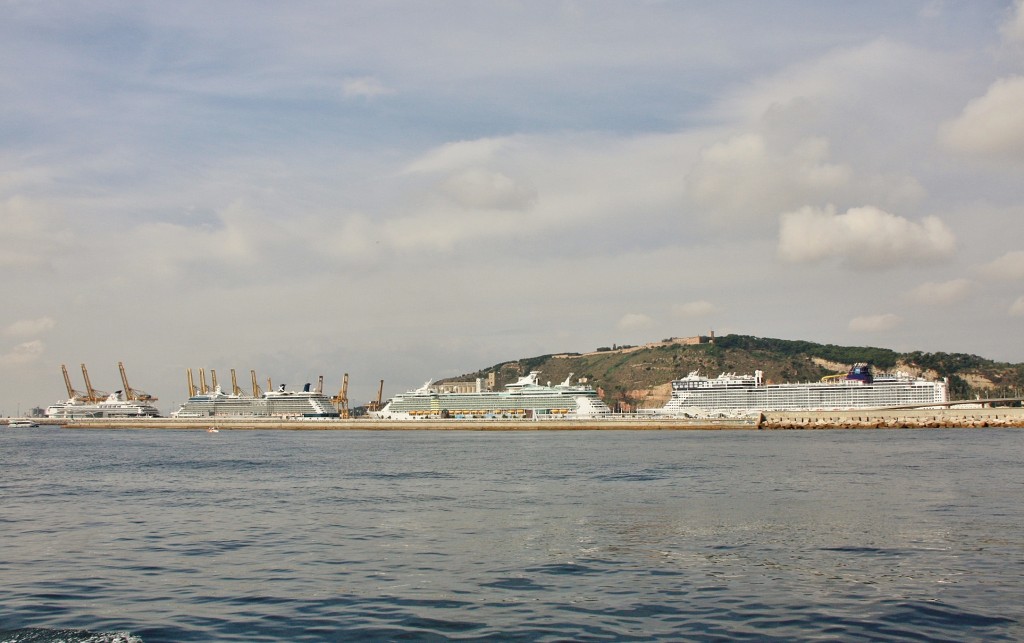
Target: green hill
(639,376)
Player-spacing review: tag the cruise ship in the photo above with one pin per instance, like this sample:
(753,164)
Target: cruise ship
(114,406)
(523,399)
(731,394)
(280,403)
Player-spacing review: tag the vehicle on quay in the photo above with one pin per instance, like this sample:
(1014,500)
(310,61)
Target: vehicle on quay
(525,398)
(729,394)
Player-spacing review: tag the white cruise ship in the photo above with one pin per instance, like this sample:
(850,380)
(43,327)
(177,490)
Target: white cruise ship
(526,398)
(273,404)
(731,394)
(112,407)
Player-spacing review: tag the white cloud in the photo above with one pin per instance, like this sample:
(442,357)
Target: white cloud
(634,321)
(941,293)
(459,155)
(364,87)
(1009,267)
(875,323)
(479,188)
(744,177)
(992,125)
(25,353)
(29,327)
(693,309)
(1017,308)
(866,237)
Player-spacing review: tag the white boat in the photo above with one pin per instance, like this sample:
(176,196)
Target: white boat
(523,399)
(273,404)
(112,407)
(22,423)
(730,394)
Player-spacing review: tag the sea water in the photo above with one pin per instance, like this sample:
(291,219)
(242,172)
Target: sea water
(525,536)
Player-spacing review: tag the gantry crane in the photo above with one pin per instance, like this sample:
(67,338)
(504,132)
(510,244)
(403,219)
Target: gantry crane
(213,380)
(191,384)
(132,394)
(234,385)
(72,393)
(341,399)
(92,395)
(256,392)
(203,389)
(375,405)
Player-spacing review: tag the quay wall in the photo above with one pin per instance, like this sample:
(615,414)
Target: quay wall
(864,419)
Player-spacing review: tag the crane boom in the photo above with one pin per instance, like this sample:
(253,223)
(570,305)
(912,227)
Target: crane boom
(375,405)
(213,379)
(130,393)
(191,384)
(72,393)
(256,392)
(203,389)
(93,394)
(234,384)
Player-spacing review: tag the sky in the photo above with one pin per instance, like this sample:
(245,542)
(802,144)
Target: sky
(413,190)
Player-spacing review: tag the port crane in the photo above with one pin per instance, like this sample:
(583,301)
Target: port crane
(72,393)
(132,394)
(92,395)
(256,391)
(341,399)
(203,388)
(191,384)
(235,390)
(375,405)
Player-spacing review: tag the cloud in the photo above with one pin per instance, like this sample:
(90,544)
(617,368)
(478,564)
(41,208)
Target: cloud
(29,327)
(1017,308)
(693,309)
(992,125)
(459,155)
(941,293)
(23,353)
(866,237)
(875,323)
(744,177)
(634,321)
(364,87)
(1009,267)
(483,189)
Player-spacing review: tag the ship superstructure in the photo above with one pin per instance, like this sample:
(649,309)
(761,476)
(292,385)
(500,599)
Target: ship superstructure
(525,398)
(280,403)
(731,394)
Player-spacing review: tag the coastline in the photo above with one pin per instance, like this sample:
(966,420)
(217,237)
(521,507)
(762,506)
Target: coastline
(994,417)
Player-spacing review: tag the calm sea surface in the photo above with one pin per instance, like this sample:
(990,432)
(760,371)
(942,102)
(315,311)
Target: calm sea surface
(584,536)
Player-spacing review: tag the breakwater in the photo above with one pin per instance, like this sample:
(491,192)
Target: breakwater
(861,419)
(994,417)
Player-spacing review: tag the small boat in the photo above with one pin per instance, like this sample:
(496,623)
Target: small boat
(213,429)
(21,423)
